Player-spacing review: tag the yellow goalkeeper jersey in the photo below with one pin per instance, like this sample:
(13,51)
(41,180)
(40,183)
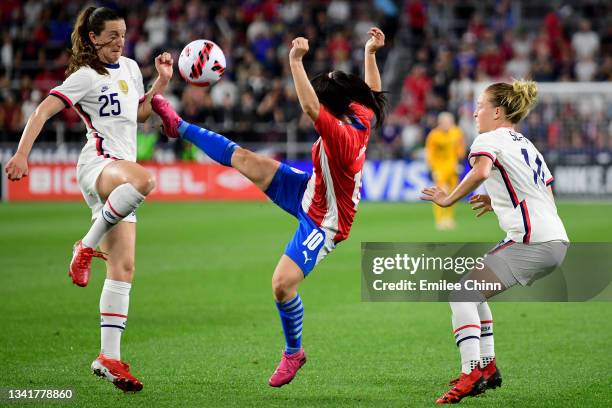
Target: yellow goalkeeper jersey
(444,149)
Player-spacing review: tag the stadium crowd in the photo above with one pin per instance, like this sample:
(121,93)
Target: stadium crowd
(449,48)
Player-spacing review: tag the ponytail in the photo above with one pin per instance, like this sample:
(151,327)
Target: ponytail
(337,93)
(517,98)
(83,51)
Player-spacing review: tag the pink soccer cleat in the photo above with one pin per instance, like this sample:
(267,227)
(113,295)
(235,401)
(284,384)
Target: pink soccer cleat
(80,266)
(168,115)
(287,368)
(117,372)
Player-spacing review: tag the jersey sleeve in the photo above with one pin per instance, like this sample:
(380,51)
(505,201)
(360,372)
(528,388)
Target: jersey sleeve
(74,88)
(138,79)
(484,146)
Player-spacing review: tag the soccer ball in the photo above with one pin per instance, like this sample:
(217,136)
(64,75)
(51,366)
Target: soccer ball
(202,63)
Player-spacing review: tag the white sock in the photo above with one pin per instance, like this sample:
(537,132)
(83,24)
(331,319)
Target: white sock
(120,203)
(466,329)
(487,351)
(114,304)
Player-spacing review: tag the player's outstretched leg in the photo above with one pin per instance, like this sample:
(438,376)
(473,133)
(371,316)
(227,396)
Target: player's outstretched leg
(257,168)
(285,281)
(216,146)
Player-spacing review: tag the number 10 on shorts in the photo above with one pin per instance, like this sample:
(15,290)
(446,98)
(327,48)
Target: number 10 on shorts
(313,240)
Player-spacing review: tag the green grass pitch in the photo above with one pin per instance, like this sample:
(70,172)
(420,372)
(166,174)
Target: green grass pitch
(203,330)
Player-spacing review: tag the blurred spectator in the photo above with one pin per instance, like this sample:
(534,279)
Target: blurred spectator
(196,103)
(586,69)
(29,106)
(491,61)
(10,116)
(466,58)
(585,42)
(476,26)
(142,50)
(6,53)
(416,13)
(156,25)
(338,11)
(224,93)
(290,11)
(518,67)
(258,28)
(417,84)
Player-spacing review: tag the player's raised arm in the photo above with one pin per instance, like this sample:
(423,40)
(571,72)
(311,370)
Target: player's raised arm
(376,41)
(17,166)
(163,64)
(305,92)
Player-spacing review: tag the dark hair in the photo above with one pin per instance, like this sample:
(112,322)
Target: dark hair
(83,51)
(337,90)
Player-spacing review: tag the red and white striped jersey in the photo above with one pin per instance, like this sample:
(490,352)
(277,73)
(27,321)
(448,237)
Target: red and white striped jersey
(108,104)
(518,187)
(333,191)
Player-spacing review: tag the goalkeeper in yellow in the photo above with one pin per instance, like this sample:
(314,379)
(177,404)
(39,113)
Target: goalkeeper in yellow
(444,149)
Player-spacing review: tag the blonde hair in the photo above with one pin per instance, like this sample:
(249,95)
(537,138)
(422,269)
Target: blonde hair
(446,115)
(517,98)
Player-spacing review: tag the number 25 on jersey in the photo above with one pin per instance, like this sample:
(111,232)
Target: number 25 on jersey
(110,105)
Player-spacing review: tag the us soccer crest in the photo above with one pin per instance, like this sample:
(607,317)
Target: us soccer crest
(123,86)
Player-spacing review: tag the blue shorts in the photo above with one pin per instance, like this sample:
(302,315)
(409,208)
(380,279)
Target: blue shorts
(310,243)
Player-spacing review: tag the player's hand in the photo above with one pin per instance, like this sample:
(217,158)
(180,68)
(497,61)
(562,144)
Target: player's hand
(299,48)
(17,167)
(435,195)
(163,65)
(376,41)
(481,202)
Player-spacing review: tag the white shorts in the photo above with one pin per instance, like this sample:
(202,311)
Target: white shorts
(515,262)
(87,177)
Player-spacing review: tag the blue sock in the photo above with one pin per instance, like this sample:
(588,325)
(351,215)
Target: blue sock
(291,314)
(216,146)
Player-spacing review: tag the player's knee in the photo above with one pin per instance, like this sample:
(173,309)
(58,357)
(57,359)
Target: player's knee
(242,158)
(144,183)
(281,287)
(121,269)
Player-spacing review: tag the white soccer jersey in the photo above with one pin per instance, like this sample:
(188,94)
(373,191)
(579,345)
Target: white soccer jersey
(518,187)
(108,104)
